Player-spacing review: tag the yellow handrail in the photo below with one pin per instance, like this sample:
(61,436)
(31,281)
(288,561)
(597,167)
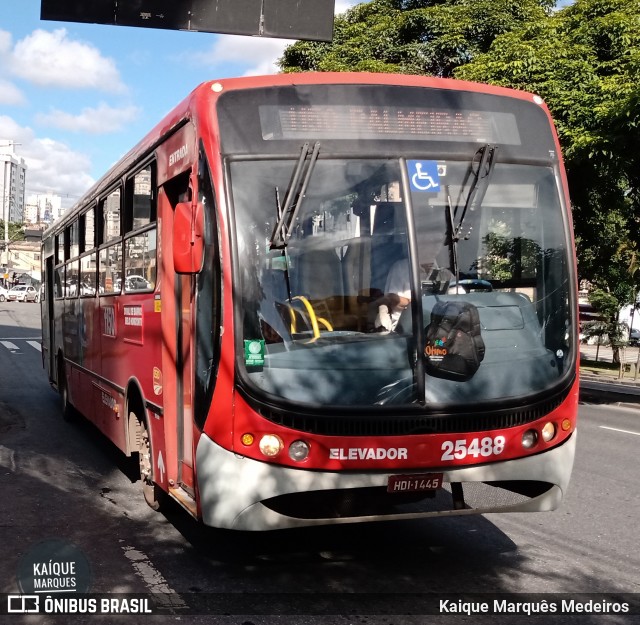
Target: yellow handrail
(313,318)
(312,315)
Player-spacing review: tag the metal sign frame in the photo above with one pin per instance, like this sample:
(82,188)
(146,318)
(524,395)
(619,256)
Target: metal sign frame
(287,19)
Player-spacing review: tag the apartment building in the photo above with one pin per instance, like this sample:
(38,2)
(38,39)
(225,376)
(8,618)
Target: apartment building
(12,182)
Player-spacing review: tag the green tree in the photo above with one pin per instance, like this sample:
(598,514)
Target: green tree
(413,36)
(16,231)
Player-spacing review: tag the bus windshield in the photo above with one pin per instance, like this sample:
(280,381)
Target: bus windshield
(335,307)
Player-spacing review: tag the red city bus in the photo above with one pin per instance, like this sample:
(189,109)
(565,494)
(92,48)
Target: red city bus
(324,298)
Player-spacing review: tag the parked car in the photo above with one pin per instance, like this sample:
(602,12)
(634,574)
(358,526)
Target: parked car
(134,283)
(3,294)
(634,337)
(23,293)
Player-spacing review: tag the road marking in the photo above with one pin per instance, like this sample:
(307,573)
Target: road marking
(604,427)
(8,458)
(153,579)
(33,341)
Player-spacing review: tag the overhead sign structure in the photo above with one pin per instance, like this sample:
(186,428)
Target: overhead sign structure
(289,19)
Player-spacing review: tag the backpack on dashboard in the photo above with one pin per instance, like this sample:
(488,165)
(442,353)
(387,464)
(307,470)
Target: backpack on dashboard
(454,347)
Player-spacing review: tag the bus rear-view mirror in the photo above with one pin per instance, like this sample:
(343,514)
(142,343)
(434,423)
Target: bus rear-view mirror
(188,237)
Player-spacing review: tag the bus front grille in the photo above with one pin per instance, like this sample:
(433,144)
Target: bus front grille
(401,425)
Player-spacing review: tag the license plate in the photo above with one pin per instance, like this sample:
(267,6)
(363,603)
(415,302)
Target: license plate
(414,483)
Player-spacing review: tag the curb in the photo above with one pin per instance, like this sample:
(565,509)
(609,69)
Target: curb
(597,390)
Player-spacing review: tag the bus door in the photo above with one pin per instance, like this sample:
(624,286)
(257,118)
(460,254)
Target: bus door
(173,435)
(48,327)
(178,329)
(184,293)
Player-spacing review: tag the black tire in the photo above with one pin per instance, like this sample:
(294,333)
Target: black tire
(152,493)
(2,297)
(68,411)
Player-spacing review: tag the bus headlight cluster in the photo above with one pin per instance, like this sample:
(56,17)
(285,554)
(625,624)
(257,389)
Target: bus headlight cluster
(271,445)
(529,439)
(547,433)
(299,451)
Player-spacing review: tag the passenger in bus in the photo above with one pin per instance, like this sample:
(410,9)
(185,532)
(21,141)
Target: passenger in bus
(396,299)
(389,309)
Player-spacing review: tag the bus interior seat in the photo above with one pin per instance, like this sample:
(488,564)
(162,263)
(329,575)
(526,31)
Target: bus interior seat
(318,277)
(356,274)
(388,241)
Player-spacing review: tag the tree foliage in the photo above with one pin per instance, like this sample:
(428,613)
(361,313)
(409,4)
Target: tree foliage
(412,36)
(16,231)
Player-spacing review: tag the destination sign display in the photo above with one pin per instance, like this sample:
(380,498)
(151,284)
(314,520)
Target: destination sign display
(345,121)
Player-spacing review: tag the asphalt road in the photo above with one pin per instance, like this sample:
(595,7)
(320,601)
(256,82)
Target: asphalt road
(65,481)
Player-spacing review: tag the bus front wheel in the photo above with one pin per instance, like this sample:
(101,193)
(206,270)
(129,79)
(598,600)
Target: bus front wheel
(152,493)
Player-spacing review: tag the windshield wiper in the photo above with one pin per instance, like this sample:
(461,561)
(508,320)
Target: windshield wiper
(477,191)
(293,198)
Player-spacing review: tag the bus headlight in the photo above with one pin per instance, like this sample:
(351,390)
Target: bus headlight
(298,451)
(271,445)
(548,432)
(529,439)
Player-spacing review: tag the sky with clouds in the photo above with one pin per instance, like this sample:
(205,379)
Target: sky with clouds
(76,97)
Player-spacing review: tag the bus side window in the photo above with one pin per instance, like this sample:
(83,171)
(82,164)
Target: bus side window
(139,228)
(72,283)
(88,264)
(88,274)
(58,282)
(140,199)
(140,262)
(110,216)
(110,274)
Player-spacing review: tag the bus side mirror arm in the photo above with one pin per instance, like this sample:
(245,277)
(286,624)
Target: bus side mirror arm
(188,237)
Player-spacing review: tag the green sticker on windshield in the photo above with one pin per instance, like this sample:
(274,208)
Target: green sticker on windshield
(254,352)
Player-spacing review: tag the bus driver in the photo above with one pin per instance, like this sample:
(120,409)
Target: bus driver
(396,299)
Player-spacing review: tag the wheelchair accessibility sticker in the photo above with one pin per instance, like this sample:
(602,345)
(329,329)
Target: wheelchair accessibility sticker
(424,175)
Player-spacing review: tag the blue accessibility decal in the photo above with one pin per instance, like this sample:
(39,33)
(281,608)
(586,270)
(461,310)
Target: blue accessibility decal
(423,176)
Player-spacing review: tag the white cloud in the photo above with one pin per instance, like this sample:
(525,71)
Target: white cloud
(53,59)
(268,66)
(52,166)
(103,119)
(238,49)
(5,42)
(10,95)
(343,5)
